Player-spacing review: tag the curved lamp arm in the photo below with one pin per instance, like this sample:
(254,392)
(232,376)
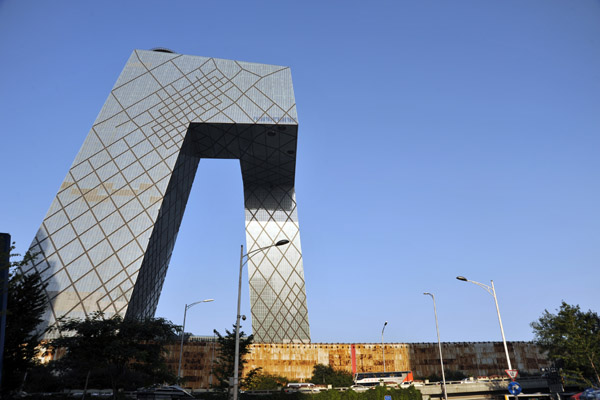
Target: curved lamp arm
(481,285)
(249,254)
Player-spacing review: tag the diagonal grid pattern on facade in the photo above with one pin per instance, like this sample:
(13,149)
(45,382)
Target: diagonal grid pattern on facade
(107,239)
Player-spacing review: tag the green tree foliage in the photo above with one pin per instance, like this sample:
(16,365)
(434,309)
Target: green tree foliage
(25,308)
(224,364)
(258,380)
(326,375)
(113,352)
(572,339)
(378,393)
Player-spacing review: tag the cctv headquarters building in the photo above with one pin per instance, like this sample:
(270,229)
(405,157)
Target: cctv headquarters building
(106,242)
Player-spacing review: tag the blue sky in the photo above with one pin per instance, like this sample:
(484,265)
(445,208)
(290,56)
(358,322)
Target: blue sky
(436,139)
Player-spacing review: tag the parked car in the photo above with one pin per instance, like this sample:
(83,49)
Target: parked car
(163,392)
(590,394)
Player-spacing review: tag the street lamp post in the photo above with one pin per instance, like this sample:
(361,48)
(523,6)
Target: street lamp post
(236,361)
(439,343)
(187,307)
(491,290)
(382,346)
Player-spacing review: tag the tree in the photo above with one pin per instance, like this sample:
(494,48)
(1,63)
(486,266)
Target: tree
(225,360)
(258,380)
(572,338)
(326,375)
(114,352)
(25,307)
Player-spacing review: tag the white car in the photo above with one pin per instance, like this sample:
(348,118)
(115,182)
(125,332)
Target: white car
(360,388)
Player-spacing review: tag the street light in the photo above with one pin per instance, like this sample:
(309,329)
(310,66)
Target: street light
(382,346)
(236,361)
(439,343)
(491,290)
(187,307)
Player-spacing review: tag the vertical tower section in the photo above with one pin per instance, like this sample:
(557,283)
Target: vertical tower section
(277,290)
(106,242)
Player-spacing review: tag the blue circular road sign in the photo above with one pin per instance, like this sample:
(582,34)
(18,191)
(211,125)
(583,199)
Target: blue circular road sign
(514,388)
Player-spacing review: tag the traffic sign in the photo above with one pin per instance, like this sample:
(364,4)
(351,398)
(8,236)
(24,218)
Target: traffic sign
(514,388)
(512,373)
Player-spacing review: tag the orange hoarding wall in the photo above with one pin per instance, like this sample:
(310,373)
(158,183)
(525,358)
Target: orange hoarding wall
(197,362)
(296,361)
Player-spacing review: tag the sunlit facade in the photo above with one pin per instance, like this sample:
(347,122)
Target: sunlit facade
(106,241)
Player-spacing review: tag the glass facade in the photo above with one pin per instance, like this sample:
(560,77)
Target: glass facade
(106,241)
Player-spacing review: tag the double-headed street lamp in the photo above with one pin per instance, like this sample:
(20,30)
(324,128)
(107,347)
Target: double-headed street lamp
(243,262)
(439,343)
(382,346)
(491,290)
(187,307)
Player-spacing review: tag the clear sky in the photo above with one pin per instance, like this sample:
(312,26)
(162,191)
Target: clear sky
(436,139)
